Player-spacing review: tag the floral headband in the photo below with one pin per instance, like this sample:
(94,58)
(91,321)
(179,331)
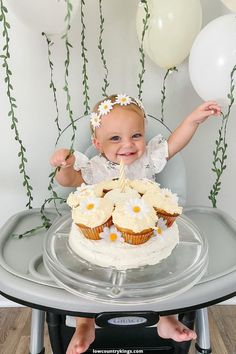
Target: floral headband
(106,106)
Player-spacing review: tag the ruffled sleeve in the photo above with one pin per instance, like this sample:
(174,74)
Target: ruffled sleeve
(83,163)
(157,149)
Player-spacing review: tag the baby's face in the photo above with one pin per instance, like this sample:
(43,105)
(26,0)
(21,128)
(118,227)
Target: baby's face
(121,135)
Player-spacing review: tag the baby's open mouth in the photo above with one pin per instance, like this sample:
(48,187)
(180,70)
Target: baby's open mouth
(127,154)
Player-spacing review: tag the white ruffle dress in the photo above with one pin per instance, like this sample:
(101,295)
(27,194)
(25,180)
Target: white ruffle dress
(98,168)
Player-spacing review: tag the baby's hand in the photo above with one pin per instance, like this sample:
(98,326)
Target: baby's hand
(209,108)
(62,158)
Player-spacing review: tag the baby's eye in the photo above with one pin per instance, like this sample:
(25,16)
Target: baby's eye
(137,136)
(115,138)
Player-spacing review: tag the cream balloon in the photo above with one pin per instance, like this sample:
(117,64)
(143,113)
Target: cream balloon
(212,58)
(172,28)
(42,15)
(231,4)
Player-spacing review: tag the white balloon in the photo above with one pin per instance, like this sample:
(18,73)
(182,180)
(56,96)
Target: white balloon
(231,4)
(43,15)
(172,28)
(212,58)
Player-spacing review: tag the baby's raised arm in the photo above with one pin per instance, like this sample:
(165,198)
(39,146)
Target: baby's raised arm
(66,175)
(185,131)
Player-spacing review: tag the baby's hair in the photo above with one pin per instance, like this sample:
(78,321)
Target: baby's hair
(124,101)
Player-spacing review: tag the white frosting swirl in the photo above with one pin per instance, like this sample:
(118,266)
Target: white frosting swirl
(136,222)
(117,196)
(93,212)
(167,202)
(73,200)
(144,185)
(108,184)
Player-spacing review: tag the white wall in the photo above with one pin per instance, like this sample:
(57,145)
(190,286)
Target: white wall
(36,111)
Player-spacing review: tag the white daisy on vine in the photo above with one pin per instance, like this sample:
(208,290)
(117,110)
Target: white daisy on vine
(111,234)
(89,204)
(136,208)
(160,226)
(95,120)
(105,107)
(123,99)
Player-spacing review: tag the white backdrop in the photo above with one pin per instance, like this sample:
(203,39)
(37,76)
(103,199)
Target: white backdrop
(36,110)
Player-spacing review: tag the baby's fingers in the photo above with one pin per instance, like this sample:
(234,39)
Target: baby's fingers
(215,109)
(55,163)
(58,161)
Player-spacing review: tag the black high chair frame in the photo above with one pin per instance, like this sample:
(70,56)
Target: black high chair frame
(127,335)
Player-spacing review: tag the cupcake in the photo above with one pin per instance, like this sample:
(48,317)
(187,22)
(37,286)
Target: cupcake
(117,196)
(73,200)
(92,215)
(83,192)
(135,220)
(108,185)
(144,185)
(165,204)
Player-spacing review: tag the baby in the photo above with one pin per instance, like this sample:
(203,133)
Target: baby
(118,133)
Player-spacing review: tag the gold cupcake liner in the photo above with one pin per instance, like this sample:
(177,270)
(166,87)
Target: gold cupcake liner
(93,233)
(135,238)
(170,219)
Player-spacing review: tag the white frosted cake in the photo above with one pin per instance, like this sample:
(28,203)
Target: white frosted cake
(122,255)
(117,226)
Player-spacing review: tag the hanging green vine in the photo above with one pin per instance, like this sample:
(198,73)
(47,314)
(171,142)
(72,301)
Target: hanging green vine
(66,76)
(219,154)
(12,102)
(55,198)
(101,49)
(141,50)
(163,91)
(52,86)
(46,222)
(85,60)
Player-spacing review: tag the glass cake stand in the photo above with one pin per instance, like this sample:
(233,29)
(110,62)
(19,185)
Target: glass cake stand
(172,276)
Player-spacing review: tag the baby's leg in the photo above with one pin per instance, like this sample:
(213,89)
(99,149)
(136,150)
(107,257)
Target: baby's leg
(84,335)
(170,327)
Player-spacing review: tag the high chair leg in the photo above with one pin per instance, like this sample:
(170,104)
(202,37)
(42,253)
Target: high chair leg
(203,345)
(37,332)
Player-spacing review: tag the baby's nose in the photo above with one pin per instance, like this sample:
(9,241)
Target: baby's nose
(127,142)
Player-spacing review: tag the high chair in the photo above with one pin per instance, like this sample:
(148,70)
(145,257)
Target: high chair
(23,277)
(174,177)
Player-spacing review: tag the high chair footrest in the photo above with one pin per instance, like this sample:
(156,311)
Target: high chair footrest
(144,340)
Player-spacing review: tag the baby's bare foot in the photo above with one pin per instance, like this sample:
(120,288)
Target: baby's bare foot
(170,327)
(84,335)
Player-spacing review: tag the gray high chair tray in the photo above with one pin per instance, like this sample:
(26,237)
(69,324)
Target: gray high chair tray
(24,277)
(171,276)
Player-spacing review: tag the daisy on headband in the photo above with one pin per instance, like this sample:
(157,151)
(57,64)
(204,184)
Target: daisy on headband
(104,107)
